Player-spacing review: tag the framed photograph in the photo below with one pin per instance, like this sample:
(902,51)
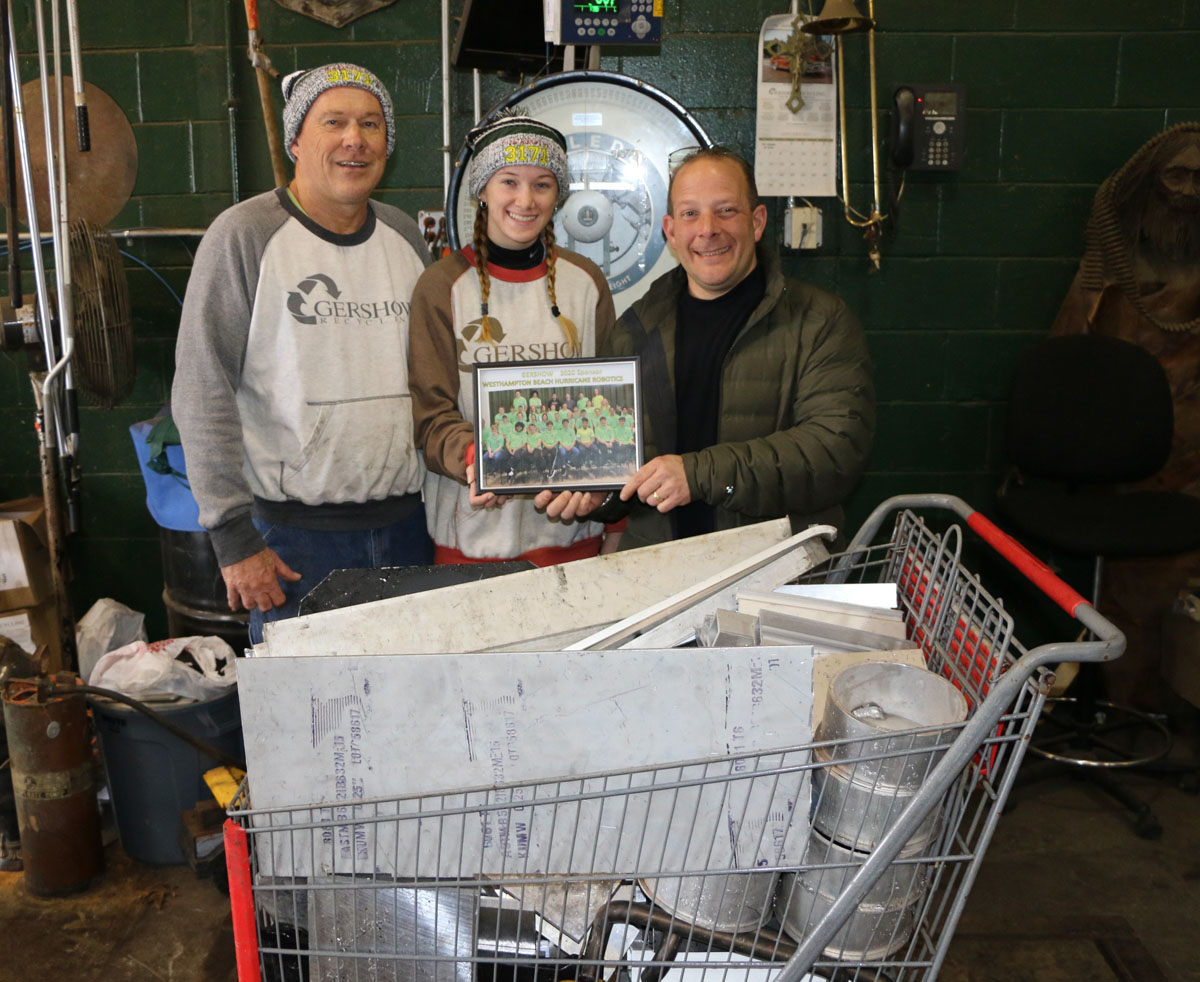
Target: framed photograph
(564,425)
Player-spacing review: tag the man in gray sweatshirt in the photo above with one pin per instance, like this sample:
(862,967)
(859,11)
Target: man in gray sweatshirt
(291,380)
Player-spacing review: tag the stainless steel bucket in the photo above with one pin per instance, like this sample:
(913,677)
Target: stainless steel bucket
(901,883)
(720,902)
(878,705)
(876,710)
(874,930)
(857,810)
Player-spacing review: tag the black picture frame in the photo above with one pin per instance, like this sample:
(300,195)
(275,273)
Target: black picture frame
(557,399)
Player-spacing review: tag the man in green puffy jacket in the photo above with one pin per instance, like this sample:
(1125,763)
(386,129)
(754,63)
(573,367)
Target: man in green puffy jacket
(758,398)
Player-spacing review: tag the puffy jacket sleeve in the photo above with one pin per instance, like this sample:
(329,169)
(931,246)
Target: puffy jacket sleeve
(826,424)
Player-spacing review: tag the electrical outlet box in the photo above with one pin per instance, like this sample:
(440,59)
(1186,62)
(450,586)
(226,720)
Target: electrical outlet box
(802,228)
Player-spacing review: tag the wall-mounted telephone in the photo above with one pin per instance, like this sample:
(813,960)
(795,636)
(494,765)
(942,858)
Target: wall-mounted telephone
(929,127)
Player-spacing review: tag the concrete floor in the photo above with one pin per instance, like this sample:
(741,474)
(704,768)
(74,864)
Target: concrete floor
(136,924)
(1067,893)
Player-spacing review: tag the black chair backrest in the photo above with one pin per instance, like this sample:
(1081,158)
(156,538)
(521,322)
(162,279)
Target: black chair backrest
(1089,409)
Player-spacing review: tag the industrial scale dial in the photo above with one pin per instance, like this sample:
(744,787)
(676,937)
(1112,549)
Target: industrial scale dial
(620,136)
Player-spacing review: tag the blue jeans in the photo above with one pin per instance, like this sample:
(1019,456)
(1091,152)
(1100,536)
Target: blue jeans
(316,554)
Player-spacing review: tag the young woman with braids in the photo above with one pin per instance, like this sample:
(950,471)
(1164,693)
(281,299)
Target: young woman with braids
(512,295)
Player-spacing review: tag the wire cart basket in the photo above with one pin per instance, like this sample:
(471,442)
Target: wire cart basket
(841,859)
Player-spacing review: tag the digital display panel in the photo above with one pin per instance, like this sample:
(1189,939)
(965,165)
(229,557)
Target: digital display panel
(596,6)
(940,104)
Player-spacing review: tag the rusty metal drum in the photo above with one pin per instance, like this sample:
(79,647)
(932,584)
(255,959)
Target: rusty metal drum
(54,787)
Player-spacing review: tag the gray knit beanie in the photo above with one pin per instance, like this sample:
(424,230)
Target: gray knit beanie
(301,89)
(514,138)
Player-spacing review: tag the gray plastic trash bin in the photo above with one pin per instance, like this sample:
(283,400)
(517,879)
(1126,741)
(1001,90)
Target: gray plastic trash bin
(153,775)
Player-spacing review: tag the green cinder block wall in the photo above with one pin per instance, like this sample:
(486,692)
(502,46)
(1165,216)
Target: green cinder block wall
(1059,96)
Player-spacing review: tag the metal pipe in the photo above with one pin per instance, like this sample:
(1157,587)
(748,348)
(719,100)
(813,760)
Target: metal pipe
(15,295)
(875,214)
(63,255)
(66,413)
(49,438)
(59,367)
(66,295)
(763,944)
(668,948)
(56,193)
(52,189)
(838,19)
(83,135)
(49,423)
(141,232)
(263,71)
(875,217)
(231,107)
(446,150)
(841,82)
(65,622)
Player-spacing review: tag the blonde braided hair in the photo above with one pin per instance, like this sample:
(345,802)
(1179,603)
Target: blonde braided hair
(481,264)
(569,329)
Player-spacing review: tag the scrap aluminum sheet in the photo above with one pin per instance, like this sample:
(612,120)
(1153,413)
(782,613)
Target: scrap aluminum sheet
(339,730)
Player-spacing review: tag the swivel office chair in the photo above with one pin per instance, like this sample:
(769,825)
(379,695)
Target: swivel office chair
(1087,414)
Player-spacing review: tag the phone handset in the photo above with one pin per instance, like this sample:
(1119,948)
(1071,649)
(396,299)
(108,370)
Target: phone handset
(904,111)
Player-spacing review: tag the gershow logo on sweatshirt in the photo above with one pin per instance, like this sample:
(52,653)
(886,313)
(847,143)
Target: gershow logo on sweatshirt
(472,351)
(317,300)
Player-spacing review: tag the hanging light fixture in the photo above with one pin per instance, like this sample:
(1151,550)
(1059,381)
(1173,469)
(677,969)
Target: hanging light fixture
(840,17)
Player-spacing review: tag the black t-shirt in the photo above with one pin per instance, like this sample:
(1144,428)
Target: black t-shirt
(704,332)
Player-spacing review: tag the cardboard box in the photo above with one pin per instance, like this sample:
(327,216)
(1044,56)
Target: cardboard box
(25,579)
(1181,654)
(35,630)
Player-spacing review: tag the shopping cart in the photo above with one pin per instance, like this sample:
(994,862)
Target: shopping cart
(812,862)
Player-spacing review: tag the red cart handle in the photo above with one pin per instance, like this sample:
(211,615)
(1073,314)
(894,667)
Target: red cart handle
(1037,571)
(241,902)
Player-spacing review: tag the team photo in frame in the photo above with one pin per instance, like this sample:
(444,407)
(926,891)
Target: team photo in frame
(564,425)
